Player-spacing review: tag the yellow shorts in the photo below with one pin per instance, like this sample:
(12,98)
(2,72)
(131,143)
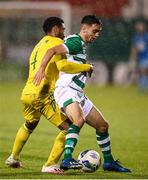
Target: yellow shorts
(34,106)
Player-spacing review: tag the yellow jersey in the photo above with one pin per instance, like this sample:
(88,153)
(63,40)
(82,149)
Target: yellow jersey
(51,72)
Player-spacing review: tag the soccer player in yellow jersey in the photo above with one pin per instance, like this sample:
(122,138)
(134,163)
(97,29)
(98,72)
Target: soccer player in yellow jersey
(39,100)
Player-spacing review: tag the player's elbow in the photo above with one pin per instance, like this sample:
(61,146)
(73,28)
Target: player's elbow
(60,66)
(51,51)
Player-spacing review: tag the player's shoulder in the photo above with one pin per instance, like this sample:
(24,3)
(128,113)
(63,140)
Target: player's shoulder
(52,39)
(73,37)
(56,39)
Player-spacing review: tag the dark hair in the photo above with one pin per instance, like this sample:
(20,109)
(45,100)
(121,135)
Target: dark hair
(91,19)
(50,22)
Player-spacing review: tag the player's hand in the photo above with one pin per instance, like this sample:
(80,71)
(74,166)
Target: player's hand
(40,74)
(90,71)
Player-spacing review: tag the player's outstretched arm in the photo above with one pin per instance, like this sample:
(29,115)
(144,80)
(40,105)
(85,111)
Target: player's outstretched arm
(68,67)
(72,68)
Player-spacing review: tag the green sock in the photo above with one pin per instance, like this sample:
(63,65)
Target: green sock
(72,137)
(103,140)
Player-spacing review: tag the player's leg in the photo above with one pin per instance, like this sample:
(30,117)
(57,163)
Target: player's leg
(52,113)
(20,140)
(97,121)
(32,118)
(59,143)
(51,165)
(74,112)
(68,103)
(57,149)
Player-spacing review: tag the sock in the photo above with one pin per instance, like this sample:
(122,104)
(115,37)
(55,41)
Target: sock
(103,140)
(57,149)
(21,138)
(72,137)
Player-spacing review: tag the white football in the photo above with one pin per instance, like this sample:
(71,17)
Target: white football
(90,160)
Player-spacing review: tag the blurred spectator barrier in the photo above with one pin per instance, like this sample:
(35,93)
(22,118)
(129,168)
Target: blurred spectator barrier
(100,75)
(21,27)
(122,74)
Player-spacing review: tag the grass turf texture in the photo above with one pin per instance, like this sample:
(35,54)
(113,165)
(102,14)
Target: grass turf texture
(126,110)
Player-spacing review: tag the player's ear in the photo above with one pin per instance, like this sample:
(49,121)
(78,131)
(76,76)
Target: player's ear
(55,29)
(84,28)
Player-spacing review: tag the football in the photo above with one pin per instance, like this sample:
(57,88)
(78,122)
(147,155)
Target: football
(90,160)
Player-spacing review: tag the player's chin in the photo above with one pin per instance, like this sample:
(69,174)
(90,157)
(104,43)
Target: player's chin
(62,37)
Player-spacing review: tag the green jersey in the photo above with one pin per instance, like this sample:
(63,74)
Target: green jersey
(76,49)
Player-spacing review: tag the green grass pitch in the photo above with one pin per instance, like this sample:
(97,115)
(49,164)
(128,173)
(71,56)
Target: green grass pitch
(125,108)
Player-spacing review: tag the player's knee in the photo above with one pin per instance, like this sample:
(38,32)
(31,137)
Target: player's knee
(31,125)
(79,122)
(65,125)
(104,127)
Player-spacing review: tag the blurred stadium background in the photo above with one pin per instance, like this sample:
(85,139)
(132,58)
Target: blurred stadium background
(21,27)
(125,108)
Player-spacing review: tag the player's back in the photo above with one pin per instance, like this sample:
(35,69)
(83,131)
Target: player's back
(51,72)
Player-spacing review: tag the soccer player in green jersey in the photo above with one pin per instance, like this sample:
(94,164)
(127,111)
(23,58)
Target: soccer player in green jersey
(71,99)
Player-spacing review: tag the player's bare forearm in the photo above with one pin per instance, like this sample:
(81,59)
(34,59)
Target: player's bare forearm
(50,53)
(40,74)
(47,57)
